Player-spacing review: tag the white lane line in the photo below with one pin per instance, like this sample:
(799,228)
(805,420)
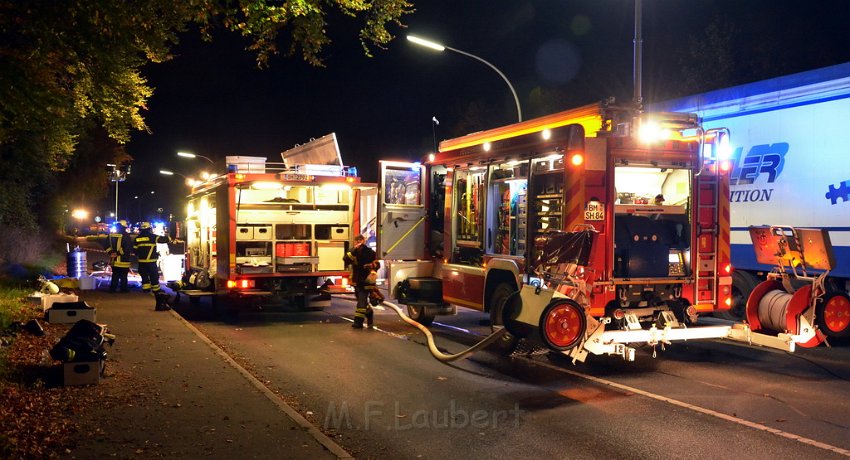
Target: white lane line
(702,410)
(675,402)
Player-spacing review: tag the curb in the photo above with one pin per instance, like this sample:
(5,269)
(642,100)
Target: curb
(317,434)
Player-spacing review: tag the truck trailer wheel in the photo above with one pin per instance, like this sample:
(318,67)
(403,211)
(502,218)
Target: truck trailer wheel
(563,324)
(833,314)
(743,284)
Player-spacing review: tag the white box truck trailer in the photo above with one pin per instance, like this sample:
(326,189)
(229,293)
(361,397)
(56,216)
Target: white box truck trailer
(791,166)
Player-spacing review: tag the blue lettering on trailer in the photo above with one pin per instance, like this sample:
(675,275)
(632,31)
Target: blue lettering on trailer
(745,196)
(761,159)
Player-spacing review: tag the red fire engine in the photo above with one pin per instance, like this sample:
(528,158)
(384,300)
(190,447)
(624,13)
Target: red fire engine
(273,231)
(586,230)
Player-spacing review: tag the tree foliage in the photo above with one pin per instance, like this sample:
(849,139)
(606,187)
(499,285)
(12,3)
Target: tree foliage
(66,66)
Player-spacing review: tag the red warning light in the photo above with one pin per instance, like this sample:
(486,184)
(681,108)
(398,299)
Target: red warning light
(577,159)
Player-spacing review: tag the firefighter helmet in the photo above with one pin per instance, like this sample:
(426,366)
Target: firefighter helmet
(122,223)
(145,225)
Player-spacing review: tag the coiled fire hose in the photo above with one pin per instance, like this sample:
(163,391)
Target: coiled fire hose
(438,355)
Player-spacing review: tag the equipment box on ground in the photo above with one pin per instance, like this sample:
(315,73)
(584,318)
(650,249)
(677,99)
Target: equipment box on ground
(48,300)
(69,313)
(82,373)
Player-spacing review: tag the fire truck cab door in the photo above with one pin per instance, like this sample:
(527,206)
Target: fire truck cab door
(401,211)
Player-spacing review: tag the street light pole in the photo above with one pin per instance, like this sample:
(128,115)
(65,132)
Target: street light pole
(189,181)
(193,155)
(117,174)
(438,47)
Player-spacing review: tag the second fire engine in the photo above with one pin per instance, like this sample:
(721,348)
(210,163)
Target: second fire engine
(273,232)
(556,227)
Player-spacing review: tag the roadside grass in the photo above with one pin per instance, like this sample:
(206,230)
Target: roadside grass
(13,308)
(23,257)
(13,305)
(37,419)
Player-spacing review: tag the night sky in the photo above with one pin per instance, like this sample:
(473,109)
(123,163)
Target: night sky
(213,100)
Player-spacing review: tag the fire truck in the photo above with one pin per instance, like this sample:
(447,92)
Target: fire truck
(587,231)
(273,232)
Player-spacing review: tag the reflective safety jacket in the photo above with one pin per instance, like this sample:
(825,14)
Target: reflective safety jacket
(362,260)
(120,249)
(145,245)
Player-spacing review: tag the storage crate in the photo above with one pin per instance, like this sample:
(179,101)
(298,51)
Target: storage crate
(296,249)
(331,255)
(339,233)
(263,232)
(82,373)
(87,283)
(246,164)
(285,265)
(69,312)
(48,300)
(244,233)
(251,270)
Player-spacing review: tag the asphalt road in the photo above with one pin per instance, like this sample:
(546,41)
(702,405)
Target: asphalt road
(380,394)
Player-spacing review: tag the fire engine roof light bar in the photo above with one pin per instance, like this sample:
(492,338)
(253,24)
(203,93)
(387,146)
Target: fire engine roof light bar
(439,47)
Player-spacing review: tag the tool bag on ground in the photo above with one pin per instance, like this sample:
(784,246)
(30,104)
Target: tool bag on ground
(83,342)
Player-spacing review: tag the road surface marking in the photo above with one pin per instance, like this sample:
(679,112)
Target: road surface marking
(317,434)
(675,402)
(702,410)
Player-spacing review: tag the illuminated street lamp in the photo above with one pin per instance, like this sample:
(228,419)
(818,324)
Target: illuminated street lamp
(189,181)
(438,47)
(193,155)
(117,173)
(80,214)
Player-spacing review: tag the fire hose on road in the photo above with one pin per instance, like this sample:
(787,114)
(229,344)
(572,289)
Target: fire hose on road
(432,347)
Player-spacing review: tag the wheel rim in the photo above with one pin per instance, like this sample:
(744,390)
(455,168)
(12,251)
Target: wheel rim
(836,314)
(563,325)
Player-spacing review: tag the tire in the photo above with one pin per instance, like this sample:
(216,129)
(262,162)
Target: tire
(563,325)
(508,342)
(743,284)
(679,308)
(418,314)
(202,280)
(832,314)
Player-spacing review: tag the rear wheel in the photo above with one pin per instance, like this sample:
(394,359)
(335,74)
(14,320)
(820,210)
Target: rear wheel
(417,313)
(833,314)
(201,280)
(508,342)
(679,307)
(743,284)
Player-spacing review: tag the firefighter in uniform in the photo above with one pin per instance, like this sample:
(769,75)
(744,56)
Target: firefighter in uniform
(120,249)
(145,247)
(363,261)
